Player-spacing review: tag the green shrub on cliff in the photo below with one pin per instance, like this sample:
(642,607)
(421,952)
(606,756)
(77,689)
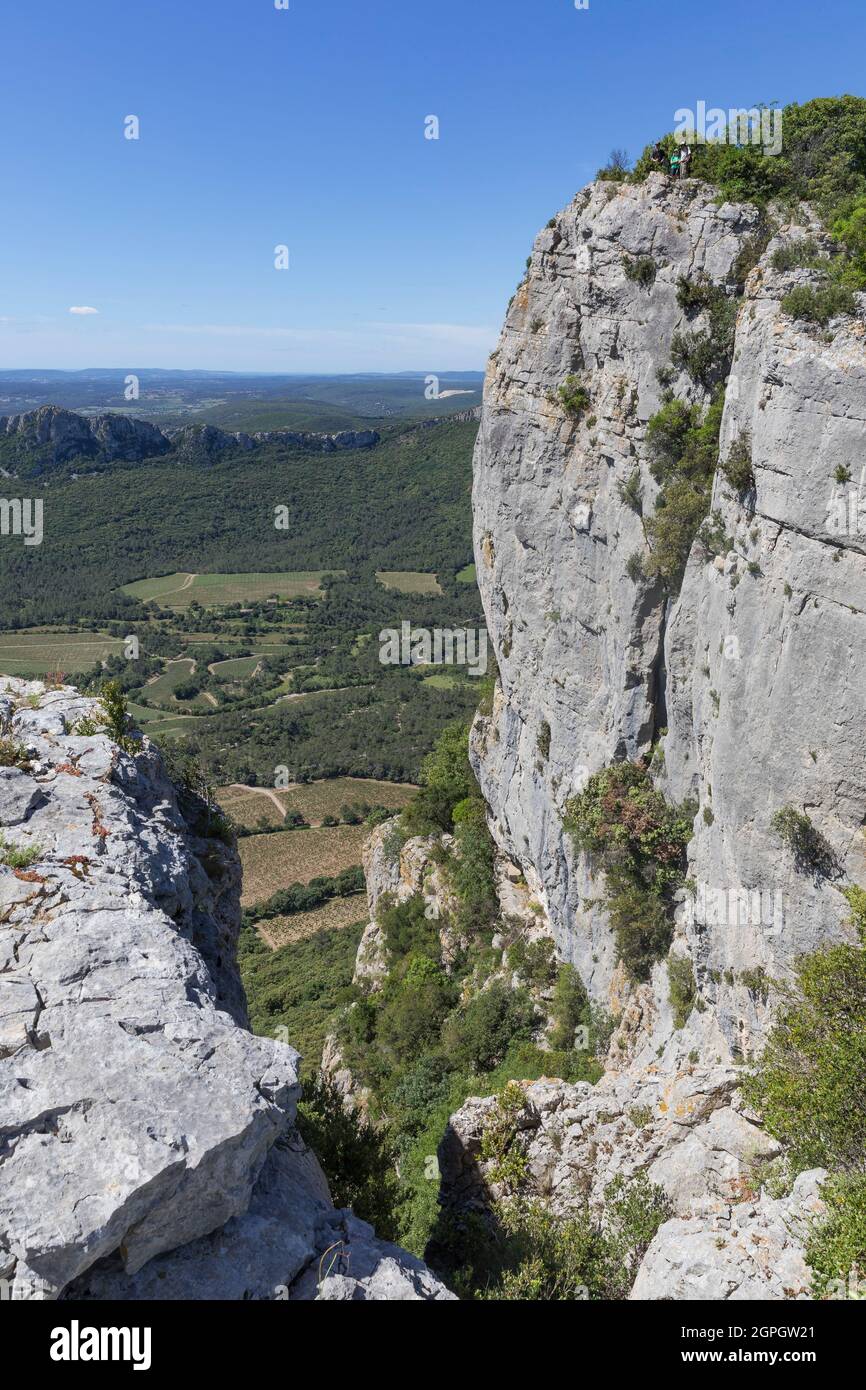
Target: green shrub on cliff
(640,843)
(446,779)
(684,446)
(819,304)
(358,1159)
(536,1257)
(809,1086)
(811,1079)
(573,397)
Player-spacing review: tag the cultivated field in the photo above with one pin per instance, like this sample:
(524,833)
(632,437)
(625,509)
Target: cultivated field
(161,691)
(178,591)
(36,653)
(314,800)
(409,581)
(334,916)
(248,806)
(174,726)
(446,680)
(271,862)
(238,667)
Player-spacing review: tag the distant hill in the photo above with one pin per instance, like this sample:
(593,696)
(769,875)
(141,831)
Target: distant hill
(401,504)
(243,401)
(51,439)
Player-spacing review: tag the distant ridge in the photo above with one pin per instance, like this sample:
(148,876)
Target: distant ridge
(41,441)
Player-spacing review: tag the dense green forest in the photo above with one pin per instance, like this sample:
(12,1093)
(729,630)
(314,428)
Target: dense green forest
(403,505)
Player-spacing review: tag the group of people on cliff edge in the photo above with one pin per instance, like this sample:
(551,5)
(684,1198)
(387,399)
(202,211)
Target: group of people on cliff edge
(678,161)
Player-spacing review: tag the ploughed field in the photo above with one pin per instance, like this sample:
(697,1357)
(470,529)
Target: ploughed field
(271,862)
(336,915)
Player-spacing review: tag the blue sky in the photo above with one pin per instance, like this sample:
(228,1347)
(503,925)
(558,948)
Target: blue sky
(305,127)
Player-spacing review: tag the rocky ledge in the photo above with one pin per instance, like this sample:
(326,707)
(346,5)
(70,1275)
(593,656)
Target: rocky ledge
(147,1139)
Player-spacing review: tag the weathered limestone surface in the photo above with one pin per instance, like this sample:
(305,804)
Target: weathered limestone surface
(578,644)
(680,1128)
(752,1249)
(750,680)
(766,651)
(147,1143)
(756,667)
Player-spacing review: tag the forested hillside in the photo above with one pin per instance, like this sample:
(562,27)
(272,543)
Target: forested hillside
(403,505)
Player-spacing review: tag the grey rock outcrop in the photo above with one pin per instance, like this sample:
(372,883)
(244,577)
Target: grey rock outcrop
(748,684)
(208,442)
(39,440)
(754,671)
(750,1249)
(680,1129)
(765,658)
(398,874)
(147,1139)
(580,646)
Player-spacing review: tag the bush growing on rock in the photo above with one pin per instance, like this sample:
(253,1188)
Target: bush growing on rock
(640,843)
(617,167)
(13,754)
(416,1000)
(737,467)
(802,253)
(630,492)
(836,1247)
(706,356)
(810,849)
(446,779)
(534,1256)
(479,1035)
(810,1082)
(819,305)
(573,397)
(809,1086)
(682,990)
(642,271)
(407,928)
(470,870)
(634,567)
(684,448)
(697,294)
(357,1159)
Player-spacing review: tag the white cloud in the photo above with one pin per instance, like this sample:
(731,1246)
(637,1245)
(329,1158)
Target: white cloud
(82,309)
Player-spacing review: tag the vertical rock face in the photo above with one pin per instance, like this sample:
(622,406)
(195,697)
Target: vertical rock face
(147,1139)
(41,439)
(766,658)
(755,670)
(579,645)
(750,681)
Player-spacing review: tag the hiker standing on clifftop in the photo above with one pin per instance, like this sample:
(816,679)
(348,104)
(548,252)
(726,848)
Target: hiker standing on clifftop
(658,155)
(685,161)
(675,164)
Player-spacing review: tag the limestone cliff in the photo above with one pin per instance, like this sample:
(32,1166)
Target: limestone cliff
(38,442)
(751,678)
(745,686)
(147,1138)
